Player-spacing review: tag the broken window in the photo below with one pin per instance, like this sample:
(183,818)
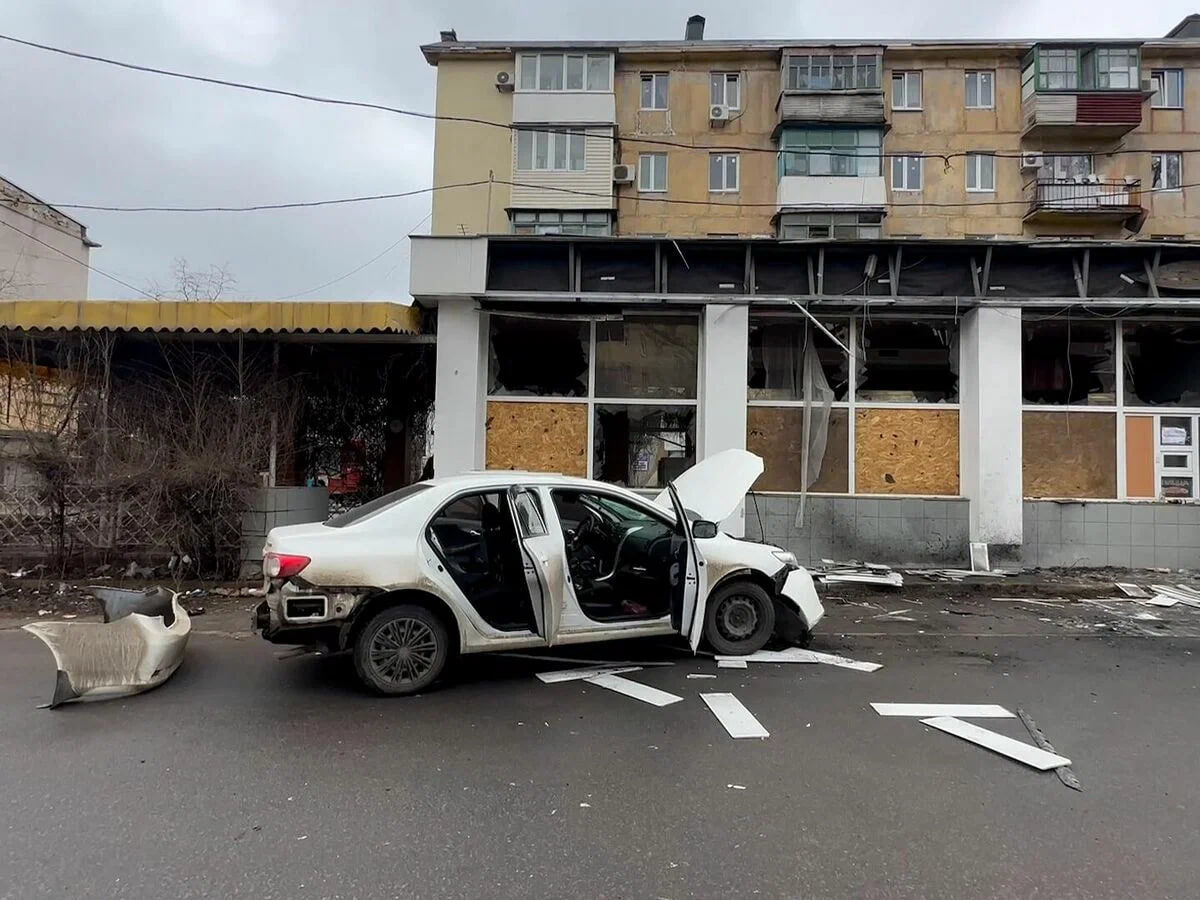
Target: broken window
(540,357)
(643,446)
(776,358)
(907,362)
(1162,363)
(778,435)
(1068,362)
(647,357)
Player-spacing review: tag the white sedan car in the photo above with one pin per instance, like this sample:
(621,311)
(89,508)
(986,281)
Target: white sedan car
(512,560)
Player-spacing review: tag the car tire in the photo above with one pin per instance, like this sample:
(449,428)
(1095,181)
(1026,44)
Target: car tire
(739,618)
(401,650)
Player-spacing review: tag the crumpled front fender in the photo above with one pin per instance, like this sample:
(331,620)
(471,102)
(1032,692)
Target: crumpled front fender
(139,645)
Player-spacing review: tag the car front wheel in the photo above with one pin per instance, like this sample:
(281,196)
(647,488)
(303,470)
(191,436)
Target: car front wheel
(740,618)
(401,650)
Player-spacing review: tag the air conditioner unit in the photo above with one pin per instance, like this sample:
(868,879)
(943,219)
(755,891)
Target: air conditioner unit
(623,174)
(1148,86)
(718,113)
(1031,161)
(504,82)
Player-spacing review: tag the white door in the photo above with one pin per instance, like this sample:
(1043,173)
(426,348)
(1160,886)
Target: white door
(689,579)
(542,559)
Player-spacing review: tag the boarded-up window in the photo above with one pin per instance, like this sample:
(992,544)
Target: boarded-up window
(906,451)
(540,437)
(777,435)
(1069,454)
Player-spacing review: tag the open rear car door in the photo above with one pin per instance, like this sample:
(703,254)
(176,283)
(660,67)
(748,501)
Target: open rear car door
(543,560)
(689,578)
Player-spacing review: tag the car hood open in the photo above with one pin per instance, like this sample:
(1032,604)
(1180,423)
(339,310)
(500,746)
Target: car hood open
(713,488)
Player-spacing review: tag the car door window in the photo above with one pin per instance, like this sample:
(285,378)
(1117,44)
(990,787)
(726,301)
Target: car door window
(473,536)
(529,515)
(618,553)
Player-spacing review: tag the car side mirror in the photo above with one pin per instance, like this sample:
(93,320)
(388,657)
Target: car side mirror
(703,529)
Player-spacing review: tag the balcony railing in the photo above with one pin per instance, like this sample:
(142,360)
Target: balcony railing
(1084,194)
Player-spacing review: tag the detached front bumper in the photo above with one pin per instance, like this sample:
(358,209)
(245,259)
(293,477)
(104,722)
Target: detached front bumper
(799,590)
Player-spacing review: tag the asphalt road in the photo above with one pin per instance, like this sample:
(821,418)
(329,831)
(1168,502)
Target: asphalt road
(245,776)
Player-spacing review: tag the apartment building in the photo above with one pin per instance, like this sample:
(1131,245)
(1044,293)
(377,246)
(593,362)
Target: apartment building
(940,286)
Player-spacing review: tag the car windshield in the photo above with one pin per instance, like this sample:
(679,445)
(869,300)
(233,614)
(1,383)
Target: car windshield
(379,503)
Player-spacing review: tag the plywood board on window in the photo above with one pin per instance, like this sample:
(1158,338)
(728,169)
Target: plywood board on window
(906,451)
(539,437)
(777,435)
(1139,456)
(1069,454)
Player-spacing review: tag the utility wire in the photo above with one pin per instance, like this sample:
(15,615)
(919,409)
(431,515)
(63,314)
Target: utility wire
(74,259)
(473,120)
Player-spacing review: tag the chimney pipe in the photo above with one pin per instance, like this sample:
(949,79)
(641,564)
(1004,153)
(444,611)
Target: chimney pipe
(449,37)
(694,31)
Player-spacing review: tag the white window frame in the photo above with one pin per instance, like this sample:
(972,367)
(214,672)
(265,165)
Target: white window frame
(902,100)
(522,63)
(592,399)
(555,136)
(654,77)
(901,164)
(725,187)
(1162,156)
(1162,78)
(643,159)
(974,167)
(725,78)
(981,77)
(582,222)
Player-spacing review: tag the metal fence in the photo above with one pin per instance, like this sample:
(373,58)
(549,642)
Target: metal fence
(1088,192)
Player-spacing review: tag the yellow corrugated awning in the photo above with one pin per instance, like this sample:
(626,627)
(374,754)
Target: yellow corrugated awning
(213,316)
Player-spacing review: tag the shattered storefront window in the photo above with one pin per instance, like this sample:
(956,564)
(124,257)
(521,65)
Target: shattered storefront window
(647,357)
(538,357)
(907,361)
(1065,362)
(643,446)
(1162,364)
(777,352)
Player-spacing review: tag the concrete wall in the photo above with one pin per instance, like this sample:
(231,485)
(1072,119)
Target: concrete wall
(274,507)
(459,388)
(897,531)
(1138,535)
(29,270)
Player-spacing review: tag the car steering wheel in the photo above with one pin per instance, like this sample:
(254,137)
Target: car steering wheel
(582,530)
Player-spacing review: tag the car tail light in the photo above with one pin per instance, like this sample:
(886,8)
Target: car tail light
(284,565)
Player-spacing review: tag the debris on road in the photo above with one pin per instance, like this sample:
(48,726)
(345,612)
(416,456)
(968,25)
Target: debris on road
(583,674)
(738,721)
(1064,773)
(634,689)
(979,557)
(998,743)
(733,662)
(1132,590)
(853,573)
(736,787)
(1178,594)
(700,675)
(958,710)
(800,655)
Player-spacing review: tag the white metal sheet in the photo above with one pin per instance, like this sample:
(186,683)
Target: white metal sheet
(998,743)
(961,710)
(736,719)
(581,674)
(734,663)
(800,655)
(633,689)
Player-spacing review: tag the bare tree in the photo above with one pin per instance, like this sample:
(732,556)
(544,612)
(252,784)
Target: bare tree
(195,284)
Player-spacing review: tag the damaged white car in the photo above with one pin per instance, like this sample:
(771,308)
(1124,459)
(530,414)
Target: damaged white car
(512,560)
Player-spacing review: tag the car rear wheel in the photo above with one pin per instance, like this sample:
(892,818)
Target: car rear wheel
(740,618)
(401,650)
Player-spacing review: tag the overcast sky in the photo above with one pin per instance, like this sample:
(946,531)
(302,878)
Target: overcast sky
(77,131)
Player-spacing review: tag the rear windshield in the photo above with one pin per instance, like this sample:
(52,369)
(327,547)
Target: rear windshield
(350,516)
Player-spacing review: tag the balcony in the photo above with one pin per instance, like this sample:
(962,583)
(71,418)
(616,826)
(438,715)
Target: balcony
(835,86)
(1081,91)
(1086,199)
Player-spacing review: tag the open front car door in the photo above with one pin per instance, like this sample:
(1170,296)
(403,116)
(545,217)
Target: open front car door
(689,578)
(543,560)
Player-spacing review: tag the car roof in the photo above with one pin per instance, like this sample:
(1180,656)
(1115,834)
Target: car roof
(514,476)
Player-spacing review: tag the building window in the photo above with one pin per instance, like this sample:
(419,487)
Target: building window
(981,90)
(1065,167)
(652,172)
(1167,85)
(906,173)
(981,172)
(564,72)
(1111,68)
(825,225)
(1167,171)
(823,72)
(654,90)
(550,151)
(723,172)
(852,152)
(596,223)
(906,90)
(1058,69)
(725,89)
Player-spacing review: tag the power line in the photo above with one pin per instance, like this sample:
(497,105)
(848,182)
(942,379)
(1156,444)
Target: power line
(388,249)
(73,259)
(474,120)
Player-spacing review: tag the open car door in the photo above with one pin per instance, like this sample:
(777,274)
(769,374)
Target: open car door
(543,560)
(689,578)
